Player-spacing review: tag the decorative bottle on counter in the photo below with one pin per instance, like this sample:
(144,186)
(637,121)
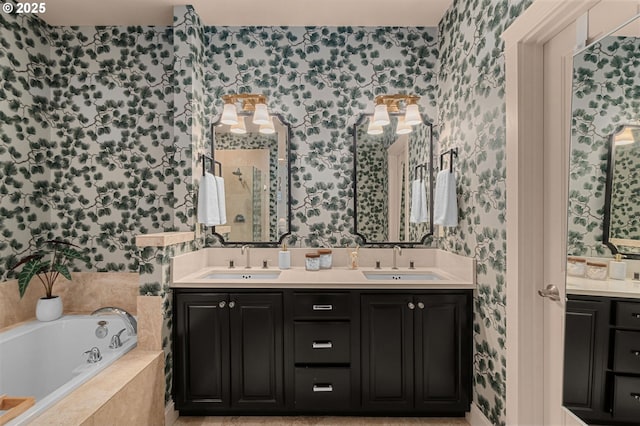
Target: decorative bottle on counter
(284,257)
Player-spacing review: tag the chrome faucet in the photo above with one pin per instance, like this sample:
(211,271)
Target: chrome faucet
(129,321)
(245,249)
(116,342)
(94,355)
(397,250)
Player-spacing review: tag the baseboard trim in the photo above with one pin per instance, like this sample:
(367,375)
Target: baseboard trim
(170,413)
(475,417)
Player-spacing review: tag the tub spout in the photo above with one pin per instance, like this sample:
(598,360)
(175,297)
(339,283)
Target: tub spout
(129,321)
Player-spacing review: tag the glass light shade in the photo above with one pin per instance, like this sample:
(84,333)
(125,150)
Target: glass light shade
(380,115)
(239,128)
(261,115)
(412,116)
(403,127)
(229,115)
(624,138)
(374,129)
(267,129)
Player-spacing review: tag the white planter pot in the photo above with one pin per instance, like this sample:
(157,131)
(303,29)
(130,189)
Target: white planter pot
(49,309)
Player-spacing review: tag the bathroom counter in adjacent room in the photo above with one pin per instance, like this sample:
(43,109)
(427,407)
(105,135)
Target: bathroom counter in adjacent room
(608,288)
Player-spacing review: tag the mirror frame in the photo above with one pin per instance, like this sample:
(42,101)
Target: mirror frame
(606,228)
(363,240)
(288,135)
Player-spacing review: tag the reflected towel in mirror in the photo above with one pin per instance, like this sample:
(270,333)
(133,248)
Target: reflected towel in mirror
(419,212)
(211,201)
(445,203)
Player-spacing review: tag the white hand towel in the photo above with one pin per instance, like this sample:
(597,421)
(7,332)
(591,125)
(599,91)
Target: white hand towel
(419,212)
(208,205)
(445,203)
(222,204)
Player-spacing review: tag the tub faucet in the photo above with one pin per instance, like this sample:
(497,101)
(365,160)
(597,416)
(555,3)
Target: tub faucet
(94,355)
(129,321)
(116,342)
(397,250)
(245,250)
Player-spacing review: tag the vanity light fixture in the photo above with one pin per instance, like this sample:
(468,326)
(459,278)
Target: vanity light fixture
(394,104)
(267,129)
(625,137)
(251,103)
(239,128)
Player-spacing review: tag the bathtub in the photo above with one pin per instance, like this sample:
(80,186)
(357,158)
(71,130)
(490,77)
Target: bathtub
(47,360)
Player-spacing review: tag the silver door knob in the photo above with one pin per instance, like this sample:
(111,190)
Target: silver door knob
(420,305)
(232,304)
(222,304)
(551,292)
(411,305)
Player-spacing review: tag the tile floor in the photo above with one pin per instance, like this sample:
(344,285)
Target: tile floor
(319,421)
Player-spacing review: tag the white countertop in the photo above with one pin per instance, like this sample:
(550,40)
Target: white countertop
(609,288)
(334,278)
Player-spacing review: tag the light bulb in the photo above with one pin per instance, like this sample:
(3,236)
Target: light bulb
(412,116)
(229,115)
(374,129)
(267,129)
(261,115)
(403,127)
(239,128)
(380,115)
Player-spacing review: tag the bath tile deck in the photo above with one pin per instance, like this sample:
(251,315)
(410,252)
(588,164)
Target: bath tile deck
(319,421)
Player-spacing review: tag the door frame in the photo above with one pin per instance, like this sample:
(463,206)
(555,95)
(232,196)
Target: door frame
(524,44)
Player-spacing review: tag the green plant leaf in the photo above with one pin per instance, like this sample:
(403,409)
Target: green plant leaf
(30,269)
(63,270)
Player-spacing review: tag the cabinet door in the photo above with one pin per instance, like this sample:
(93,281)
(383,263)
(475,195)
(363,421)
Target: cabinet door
(256,351)
(387,352)
(586,343)
(442,353)
(201,351)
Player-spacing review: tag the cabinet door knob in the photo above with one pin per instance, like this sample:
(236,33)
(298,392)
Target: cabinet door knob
(222,304)
(636,353)
(420,305)
(635,315)
(411,305)
(232,304)
(635,396)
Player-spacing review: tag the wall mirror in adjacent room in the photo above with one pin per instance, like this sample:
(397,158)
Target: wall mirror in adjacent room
(393,182)
(255,168)
(600,386)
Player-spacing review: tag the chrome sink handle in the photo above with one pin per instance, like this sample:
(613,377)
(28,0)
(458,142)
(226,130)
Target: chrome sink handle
(129,321)
(94,355)
(116,342)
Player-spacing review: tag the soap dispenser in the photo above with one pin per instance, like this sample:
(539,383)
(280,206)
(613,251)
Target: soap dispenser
(284,257)
(618,268)
(353,258)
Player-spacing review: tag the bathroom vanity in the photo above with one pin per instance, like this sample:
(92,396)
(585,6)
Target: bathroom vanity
(602,351)
(337,341)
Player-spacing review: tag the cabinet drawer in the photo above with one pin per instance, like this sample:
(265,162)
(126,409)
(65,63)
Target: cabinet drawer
(626,402)
(628,315)
(321,306)
(325,342)
(626,357)
(322,389)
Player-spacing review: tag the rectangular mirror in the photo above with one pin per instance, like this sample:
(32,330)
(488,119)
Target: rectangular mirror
(393,183)
(255,168)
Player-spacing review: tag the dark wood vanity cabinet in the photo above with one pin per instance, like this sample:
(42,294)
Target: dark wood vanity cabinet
(322,351)
(228,351)
(602,359)
(416,352)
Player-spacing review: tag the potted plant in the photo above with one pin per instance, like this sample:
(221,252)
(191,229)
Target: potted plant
(47,265)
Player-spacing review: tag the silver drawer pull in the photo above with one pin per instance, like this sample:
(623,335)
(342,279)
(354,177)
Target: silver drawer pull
(636,353)
(322,345)
(635,396)
(323,307)
(635,315)
(322,388)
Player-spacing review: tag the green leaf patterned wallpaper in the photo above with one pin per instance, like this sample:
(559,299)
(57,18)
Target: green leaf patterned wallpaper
(471,115)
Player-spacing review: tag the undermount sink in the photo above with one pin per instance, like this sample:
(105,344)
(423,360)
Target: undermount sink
(402,276)
(244,275)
